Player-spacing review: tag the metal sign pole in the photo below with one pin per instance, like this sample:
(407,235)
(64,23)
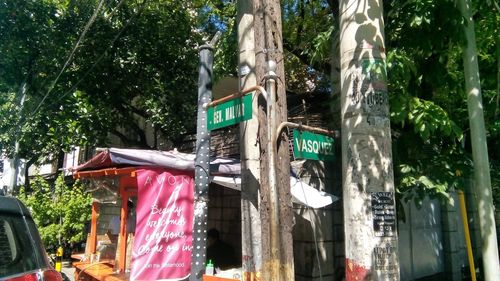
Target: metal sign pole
(202,162)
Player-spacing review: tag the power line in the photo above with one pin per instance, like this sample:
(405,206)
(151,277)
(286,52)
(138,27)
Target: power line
(87,27)
(102,54)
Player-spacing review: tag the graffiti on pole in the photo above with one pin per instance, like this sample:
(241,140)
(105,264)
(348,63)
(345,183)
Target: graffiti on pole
(384,261)
(369,90)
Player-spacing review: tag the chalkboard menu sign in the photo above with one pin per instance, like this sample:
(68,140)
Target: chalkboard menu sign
(384,214)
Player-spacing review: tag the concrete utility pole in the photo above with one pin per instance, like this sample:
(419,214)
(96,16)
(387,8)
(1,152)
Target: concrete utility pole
(368,181)
(482,180)
(249,149)
(276,207)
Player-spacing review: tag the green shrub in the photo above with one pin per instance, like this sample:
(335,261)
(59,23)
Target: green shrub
(59,210)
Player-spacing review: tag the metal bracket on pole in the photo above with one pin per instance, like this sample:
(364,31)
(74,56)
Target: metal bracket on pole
(274,226)
(236,95)
(300,127)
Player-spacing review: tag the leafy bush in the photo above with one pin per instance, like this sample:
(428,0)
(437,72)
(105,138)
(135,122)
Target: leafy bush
(60,211)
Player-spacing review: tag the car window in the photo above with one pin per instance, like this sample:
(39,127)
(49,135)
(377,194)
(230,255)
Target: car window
(9,250)
(20,249)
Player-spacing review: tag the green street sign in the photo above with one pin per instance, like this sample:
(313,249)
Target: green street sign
(307,145)
(230,113)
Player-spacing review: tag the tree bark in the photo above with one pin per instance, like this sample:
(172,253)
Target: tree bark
(482,180)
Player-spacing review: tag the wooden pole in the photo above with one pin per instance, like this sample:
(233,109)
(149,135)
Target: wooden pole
(93,228)
(275,209)
(122,238)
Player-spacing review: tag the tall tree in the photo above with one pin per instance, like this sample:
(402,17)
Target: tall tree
(60,211)
(427,101)
(125,62)
(482,182)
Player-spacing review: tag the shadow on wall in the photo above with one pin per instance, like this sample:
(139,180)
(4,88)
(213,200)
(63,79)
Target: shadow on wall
(318,233)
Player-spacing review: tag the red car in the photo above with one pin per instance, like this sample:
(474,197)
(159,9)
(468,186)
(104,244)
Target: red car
(22,255)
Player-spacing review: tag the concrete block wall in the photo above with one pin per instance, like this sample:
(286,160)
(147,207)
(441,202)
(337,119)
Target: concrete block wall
(313,244)
(319,233)
(473,220)
(497,224)
(338,233)
(453,239)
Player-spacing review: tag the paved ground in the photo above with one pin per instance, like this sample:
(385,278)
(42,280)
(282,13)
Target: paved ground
(68,271)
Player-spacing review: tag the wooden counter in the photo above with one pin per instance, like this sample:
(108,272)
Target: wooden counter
(215,278)
(98,271)
(103,271)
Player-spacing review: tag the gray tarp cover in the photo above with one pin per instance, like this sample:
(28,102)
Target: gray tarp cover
(225,170)
(120,157)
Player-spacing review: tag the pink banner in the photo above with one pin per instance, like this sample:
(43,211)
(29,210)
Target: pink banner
(162,243)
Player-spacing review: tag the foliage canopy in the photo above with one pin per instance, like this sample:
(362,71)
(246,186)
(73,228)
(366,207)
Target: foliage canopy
(137,63)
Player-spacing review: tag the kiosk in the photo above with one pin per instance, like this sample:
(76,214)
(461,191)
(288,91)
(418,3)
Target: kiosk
(142,212)
(156,243)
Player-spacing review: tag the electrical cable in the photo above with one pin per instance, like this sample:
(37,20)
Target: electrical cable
(97,61)
(314,232)
(99,58)
(309,209)
(86,28)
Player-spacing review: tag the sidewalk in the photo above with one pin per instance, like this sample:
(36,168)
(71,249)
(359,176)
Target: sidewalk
(68,271)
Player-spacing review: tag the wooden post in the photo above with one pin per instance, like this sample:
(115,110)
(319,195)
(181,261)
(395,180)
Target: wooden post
(93,228)
(122,238)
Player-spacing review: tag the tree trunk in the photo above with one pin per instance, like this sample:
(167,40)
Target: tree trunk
(482,181)
(27,183)
(371,239)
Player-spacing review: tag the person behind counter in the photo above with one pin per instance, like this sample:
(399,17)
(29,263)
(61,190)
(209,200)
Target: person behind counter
(114,223)
(108,251)
(221,253)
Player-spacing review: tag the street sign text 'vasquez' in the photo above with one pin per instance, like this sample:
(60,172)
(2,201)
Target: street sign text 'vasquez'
(307,145)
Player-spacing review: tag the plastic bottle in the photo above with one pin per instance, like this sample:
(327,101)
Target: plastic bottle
(209,270)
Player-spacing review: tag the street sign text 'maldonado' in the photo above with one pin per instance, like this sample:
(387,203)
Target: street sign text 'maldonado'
(307,145)
(230,113)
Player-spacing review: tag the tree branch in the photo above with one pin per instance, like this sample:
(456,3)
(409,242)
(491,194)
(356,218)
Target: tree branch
(323,67)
